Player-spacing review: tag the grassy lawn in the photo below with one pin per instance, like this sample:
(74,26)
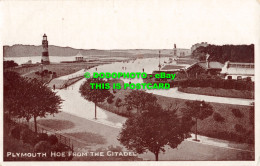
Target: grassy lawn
(61,69)
(218,92)
(56,124)
(207,127)
(90,138)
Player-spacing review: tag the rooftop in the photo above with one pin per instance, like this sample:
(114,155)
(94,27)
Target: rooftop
(212,65)
(172,67)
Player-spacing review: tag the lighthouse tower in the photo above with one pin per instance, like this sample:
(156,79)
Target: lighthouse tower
(45,52)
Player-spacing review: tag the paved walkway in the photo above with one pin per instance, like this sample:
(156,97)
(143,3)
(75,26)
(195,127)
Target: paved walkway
(75,104)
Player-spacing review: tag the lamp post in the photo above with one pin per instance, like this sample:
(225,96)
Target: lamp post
(196,132)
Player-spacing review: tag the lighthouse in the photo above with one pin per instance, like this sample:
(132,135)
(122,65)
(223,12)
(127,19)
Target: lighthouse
(45,52)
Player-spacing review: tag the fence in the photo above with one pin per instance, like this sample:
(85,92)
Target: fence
(74,143)
(75,76)
(71,80)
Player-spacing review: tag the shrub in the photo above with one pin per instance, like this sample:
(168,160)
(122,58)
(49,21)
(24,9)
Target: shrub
(15,132)
(218,118)
(239,128)
(252,116)
(250,137)
(209,81)
(37,72)
(28,136)
(42,146)
(110,99)
(237,113)
(226,135)
(53,139)
(42,137)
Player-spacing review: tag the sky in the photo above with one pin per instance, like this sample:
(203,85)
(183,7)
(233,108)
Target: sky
(116,24)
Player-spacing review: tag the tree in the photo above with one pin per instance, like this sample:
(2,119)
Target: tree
(10,64)
(139,99)
(27,98)
(38,101)
(198,110)
(11,89)
(110,99)
(118,103)
(94,95)
(218,118)
(129,108)
(252,114)
(153,129)
(237,113)
(233,53)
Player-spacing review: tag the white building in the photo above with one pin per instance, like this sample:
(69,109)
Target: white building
(79,57)
(238,71)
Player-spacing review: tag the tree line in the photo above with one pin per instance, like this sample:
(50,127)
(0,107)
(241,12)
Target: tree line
(233,53)
(9,64)
(218,83)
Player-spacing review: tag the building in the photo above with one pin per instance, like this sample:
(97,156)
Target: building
(183,52)
(238,71)
(79,57)
(180,52)
(171,68)
(195,46)
(207,67)
(45,53)
(186,61)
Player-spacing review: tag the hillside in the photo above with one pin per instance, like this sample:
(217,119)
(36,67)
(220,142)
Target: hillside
(31,50)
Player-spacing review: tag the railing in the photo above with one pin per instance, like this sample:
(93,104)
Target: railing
(75,76)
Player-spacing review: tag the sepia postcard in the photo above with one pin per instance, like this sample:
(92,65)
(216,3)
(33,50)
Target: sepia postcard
(110,82)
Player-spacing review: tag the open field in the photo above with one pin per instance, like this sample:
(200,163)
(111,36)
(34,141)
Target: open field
(218,92)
